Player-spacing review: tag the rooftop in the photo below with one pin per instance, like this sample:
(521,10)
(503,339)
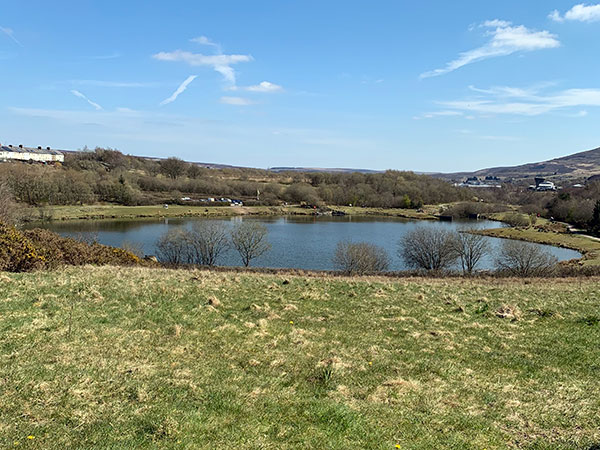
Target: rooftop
(20,149)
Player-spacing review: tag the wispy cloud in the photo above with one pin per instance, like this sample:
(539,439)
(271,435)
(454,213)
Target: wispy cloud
(264,86)
(236,101)
(182,87)
(203,40)
(533,101)
(505,39)
(80,95)
(115,84)
(432,115)
(579,13)
(11,34)
(220,63)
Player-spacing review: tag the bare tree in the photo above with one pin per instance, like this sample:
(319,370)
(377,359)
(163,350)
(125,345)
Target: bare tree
(250,241)
(428,248)
(360,258)
(524,259)
(471,248)
(172,247)
(207,241)
(9,210)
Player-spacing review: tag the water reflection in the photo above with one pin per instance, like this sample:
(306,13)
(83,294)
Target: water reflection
(304,242)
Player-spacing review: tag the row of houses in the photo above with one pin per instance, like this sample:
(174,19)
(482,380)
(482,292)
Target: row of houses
(27,154)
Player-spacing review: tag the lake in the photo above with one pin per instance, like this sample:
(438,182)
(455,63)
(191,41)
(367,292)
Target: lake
(297,241)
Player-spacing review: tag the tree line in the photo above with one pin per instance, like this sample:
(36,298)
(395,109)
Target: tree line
(107,175)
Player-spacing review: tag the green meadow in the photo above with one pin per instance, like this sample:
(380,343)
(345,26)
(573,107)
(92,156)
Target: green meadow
(117,357)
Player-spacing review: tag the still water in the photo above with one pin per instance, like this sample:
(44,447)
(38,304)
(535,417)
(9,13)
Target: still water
(297,241)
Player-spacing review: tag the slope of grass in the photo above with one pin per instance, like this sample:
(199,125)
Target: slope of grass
(133,358)
(588,247)
(83,212)
(131,212)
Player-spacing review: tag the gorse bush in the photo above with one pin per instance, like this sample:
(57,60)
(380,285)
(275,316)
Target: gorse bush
(17,252)
(24,251)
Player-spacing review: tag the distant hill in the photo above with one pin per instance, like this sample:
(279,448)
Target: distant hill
(319,169)
(580,165)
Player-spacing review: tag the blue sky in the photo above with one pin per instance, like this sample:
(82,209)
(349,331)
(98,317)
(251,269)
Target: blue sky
(426,86)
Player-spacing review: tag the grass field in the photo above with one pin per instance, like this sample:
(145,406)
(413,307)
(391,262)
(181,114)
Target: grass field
(132,358)
(131,212)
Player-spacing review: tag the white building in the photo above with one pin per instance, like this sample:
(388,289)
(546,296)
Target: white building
(20,153)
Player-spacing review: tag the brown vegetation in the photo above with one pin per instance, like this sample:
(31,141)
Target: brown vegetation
(359,258)
(23,251)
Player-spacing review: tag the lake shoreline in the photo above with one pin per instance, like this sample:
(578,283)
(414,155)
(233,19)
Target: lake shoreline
(589,250)
(298,241)
(116,212)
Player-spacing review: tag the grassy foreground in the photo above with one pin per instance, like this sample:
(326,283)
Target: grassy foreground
(133,357)
(83,212)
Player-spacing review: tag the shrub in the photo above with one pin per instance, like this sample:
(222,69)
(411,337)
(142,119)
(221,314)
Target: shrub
(471,248)
(360,258)
(250,241)
(17,253)
(207,241)
(41,249)
(515,219)
(172,247)
(428,249)
(57,250)
(524,259)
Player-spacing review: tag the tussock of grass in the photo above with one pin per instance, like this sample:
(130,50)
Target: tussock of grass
(132,357)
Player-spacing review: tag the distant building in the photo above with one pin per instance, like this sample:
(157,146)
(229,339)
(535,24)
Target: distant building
(20,153)
(541,185)
(474,182)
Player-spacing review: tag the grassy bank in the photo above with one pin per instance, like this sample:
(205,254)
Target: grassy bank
(131,357)
(589,248)
(133,212)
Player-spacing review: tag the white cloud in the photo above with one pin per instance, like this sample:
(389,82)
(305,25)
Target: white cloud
(220,63)
(203,40)
(505,40)
(80,95)
(579,13)
(236,101)
(526,102)
(182,87)
(11,34)
(263,86)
